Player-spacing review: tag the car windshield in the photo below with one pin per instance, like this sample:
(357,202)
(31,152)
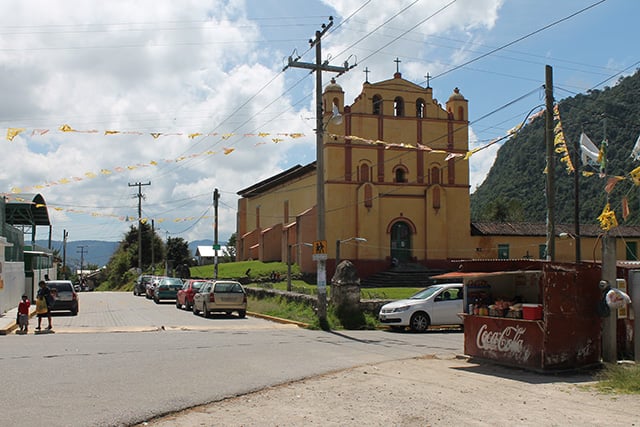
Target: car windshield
(228,287)
(198,285)
(60,287)
(426,293)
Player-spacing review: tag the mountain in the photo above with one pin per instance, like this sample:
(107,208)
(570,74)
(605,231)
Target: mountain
(84,252)
(514,189)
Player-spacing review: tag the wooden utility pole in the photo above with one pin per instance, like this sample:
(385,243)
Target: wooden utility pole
(65,235)
(318,67)
(140,196)
(551,165)
(216,246)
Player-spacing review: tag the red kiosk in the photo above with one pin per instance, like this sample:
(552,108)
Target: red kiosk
(537,315)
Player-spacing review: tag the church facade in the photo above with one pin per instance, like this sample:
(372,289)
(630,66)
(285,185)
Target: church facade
(396,182)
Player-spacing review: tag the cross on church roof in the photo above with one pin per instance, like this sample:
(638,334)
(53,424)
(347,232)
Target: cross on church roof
(428,77)
(366,72)
(397,61)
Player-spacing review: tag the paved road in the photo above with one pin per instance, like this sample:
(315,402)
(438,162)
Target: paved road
(85,374)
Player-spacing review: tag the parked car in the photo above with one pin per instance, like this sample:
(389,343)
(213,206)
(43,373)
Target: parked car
(184,298)
(140,287)
(167,288)
(224,296)
(436,305)
(150,287)
(64,295)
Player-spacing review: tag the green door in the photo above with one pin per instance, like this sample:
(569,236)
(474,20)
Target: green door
(401,242)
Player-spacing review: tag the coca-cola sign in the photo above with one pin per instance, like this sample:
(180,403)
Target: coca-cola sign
(509,340)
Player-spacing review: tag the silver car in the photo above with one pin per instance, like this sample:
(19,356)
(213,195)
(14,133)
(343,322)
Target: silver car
(222,296)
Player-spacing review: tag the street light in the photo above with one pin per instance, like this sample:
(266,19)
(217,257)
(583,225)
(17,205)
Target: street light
(289,262)
(355,239)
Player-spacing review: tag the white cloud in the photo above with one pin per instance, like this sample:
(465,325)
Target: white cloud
(213,66)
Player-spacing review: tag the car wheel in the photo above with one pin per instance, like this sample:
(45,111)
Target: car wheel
(195,310)
(156,300)
(187,306)
(242,314)
(206,311)
(419,322)
(74,312)
(228,313)
(178,305)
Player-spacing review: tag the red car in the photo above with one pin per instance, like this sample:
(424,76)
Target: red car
(185,295)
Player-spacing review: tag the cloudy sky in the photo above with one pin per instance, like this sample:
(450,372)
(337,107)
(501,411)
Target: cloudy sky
(190,96)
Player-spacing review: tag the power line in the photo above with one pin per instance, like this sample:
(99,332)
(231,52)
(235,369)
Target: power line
(519,39)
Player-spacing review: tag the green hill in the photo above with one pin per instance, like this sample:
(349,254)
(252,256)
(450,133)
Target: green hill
(514,189)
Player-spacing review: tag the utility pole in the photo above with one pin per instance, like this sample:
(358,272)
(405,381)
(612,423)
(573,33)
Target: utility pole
(318,67)
(139,196)
(216,197)
(82,250)
(65,235)
(551,166)
(609,274)
(153,252)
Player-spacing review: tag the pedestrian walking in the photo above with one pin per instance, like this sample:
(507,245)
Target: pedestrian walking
(23,314)
(44,300)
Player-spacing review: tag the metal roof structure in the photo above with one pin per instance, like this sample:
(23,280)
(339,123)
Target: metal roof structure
(27,211)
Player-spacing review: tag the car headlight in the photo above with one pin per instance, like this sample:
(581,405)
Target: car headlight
(400,309)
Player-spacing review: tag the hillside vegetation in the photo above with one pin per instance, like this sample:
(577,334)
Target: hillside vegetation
(514,189)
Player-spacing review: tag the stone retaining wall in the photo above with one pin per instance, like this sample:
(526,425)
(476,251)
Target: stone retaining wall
(367,306)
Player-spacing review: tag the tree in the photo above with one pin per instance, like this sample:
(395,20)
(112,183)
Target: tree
(125,258)
(178,251)
(229,253)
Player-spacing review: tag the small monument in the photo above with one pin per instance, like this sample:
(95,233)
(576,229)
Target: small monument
(345,295)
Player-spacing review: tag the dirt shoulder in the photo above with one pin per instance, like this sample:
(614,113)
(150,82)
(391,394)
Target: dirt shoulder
(421,392)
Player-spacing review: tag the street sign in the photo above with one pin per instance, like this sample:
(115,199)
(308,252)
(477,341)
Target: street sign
(320,247)
(216,247)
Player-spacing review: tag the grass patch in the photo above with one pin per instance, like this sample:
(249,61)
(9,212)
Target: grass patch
(280,307)
(300,312)
(623,379)
(258,270)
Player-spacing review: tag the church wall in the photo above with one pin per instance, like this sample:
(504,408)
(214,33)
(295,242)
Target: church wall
(268,209)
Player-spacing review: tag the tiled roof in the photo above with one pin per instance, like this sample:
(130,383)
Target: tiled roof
(540,229)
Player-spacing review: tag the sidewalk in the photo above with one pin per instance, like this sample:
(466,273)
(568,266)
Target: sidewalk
(8,319)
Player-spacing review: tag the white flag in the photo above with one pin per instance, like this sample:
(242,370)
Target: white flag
(589,150)
(635,153)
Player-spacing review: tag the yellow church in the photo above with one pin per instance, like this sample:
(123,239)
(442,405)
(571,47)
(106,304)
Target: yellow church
(396,184)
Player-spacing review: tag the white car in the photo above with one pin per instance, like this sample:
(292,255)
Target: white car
(436,305)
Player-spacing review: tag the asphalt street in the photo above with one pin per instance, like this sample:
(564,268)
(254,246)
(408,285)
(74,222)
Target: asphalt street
(124,360)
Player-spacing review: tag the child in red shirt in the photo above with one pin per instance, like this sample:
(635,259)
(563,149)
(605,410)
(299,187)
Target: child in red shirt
(23,314)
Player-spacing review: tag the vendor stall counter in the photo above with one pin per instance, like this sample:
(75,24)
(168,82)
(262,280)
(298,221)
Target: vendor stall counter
(544,319)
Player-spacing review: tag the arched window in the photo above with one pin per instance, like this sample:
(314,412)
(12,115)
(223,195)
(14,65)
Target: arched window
(420,108)
(435,175)
(377,104)
(398,107)
(368,196)
(364,173)
(400,173)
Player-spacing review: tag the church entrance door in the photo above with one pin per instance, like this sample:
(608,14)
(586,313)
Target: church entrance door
(401,241)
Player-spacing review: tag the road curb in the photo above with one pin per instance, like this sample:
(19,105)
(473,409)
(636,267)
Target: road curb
(278,319)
